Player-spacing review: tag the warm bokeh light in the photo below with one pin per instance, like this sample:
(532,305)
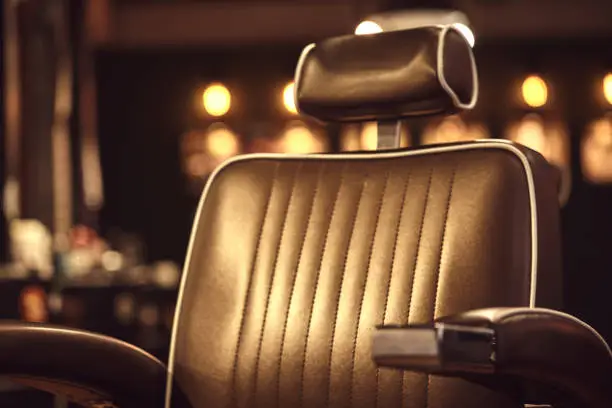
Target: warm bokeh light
(217,100)
(368,27)
(112,261)
(607,88)
(356,137)
(221,143)
(466,32)
(596,151)
(350,138)
(369,136)
(551,140)
(453,129)
(289,98)
(204,149)
(530,132)
(197,165)
(297,139)
(534,91)
(548,139)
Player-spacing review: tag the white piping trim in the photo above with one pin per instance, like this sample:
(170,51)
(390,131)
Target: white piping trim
(298,72)
(440,70)
(479,144)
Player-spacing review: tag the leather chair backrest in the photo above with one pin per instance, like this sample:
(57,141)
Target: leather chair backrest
(294,260)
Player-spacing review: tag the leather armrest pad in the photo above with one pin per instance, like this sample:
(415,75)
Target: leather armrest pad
(55,358)
(550,347)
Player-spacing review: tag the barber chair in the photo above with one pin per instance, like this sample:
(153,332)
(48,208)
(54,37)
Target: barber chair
(418,278)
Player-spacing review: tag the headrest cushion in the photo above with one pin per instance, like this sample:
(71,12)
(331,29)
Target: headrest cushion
(391,75)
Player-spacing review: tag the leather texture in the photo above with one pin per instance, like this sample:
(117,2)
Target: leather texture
(84,367)
(295,260)
(390,75)
(560,351)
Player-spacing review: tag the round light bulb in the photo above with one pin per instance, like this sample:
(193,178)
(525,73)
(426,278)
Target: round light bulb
(607,87)
(289,98)
(217,100)
(368,27)
(535,91)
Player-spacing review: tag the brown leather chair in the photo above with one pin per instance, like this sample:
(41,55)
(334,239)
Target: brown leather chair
(306,276)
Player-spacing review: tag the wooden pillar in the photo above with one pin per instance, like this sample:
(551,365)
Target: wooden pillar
(3,215)
(37,88)
(38,105)
(89,195)
(11,132)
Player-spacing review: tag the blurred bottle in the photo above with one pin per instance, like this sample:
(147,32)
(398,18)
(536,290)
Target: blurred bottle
(33,304)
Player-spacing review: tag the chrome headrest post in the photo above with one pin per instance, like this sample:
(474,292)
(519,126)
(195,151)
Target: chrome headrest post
(388,135)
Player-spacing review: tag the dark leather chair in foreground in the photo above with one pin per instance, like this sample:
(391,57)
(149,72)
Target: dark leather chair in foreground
(407,278)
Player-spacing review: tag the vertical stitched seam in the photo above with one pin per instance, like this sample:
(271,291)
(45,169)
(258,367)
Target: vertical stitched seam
(427,386)
(443,240)
(234,400)
(365,284)
(418,244)
(294,279)
(271,282)
(416,260)
(400,217)
(339,293)
(437,275)
(324,251)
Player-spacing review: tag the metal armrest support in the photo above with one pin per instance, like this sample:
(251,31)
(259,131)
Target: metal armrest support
(439,348)
(534,345)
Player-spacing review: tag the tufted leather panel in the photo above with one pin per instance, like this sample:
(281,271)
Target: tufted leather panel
(294,261)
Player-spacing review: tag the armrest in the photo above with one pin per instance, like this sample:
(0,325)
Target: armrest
(539,345)
(82,366)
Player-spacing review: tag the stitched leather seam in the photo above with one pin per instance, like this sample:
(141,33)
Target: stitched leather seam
(437,275)
(272,280)
(415,264)
(365,284)
(418,244)
(442,241)
(294,279)
(233,399)
(400,217)
(339,293)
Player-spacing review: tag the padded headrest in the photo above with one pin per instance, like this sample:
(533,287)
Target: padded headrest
(391,75)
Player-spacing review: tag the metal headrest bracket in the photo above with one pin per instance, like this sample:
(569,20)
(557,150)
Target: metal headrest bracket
(388,134)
